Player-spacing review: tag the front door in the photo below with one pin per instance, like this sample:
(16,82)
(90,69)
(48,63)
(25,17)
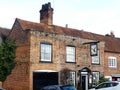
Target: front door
(84,77)
(84,81)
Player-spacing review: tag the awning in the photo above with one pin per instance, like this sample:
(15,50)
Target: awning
(115,75)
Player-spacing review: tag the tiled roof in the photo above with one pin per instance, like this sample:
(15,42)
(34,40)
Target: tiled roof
(112,44)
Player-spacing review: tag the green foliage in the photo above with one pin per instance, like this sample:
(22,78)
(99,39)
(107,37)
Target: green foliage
(79,88)
(7,55)
(64,76)
(102,79)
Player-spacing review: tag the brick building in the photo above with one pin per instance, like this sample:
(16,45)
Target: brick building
(45,49)
(3,34)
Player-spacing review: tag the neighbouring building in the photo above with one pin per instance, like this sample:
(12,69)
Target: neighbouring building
(44,50)
(3,34)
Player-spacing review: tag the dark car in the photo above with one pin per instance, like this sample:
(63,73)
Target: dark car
(58,87)
(68,87)
(2,88)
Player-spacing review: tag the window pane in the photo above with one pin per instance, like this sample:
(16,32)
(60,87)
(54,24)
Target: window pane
(112,62)
(72,78)
(70,54)
(95,77)
(45,52)
(96,59)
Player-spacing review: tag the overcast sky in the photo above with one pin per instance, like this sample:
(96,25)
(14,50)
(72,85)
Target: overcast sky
(96,16)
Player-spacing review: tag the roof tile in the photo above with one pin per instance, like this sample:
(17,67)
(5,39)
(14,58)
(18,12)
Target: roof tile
(111,43)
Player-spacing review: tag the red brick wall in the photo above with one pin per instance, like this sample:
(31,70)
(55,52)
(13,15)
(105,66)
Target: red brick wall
(108,70)
(28,56)
(19,78)
(59,43)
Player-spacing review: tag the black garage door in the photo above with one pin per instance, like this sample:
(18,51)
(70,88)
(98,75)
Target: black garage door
(41,79)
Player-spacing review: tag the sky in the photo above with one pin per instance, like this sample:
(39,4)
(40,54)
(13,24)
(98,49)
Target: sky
(96,16)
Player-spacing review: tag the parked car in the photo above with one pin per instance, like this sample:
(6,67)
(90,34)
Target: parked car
(58,87)
(109,85)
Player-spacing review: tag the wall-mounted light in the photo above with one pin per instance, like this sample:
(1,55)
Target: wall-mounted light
(46,34)
(73,39)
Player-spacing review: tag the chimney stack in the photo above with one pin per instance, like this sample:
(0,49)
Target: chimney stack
(112,34)
(46,14)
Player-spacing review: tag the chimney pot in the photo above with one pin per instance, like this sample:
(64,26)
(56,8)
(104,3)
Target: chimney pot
(46,14)
(66,26)
(112,34)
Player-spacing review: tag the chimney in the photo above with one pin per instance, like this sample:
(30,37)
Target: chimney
(46,14)
(66,25)
(112,34)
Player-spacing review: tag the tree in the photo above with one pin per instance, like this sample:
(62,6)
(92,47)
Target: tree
(102,79)
(65,76)
(7,55)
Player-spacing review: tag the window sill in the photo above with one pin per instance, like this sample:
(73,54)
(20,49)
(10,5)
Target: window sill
(71,62)
(46,62)
(113,67)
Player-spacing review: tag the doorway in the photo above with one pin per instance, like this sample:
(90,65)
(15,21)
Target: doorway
(41,79)
(84,77)
(84,81)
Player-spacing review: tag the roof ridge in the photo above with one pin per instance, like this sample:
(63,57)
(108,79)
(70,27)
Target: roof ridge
(21,21)
(110,42)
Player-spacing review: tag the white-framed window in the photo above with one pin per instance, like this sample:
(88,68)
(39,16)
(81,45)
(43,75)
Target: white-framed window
(72,78)
(112,62)
(96,59)
(70,54)
(96,76)
(46,52)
